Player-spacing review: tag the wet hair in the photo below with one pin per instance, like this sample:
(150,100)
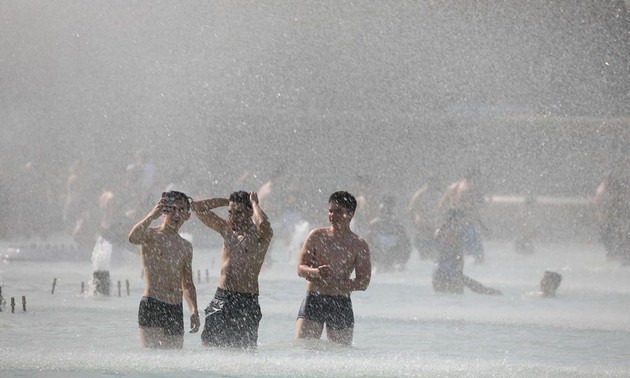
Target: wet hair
(343,199)
(241,196)
(172,196)
(550,283)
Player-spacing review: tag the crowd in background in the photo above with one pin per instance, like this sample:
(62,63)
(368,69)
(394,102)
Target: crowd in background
(72,201)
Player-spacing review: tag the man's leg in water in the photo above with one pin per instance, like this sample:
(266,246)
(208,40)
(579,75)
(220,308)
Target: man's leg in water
(340,336)
(308,329)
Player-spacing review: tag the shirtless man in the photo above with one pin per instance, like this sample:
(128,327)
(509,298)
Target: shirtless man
(327,259)
(465,195)
(233,316)
(167,261)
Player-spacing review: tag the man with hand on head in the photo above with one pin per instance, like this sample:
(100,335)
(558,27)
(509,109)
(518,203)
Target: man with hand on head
(167,262)
(233,316)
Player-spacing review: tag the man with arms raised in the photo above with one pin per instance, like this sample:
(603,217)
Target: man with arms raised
(327,259)
(167,261)
(233,316)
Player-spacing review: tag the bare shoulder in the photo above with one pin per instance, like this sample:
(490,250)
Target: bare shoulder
(151,235)
(318,233)
(360,241)
(187,244)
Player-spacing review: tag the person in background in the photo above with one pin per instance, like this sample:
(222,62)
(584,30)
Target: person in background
(466,196)
(448,273)
(550,283)
(390,245)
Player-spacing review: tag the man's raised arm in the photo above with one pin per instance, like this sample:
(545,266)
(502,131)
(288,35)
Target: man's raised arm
(260,218)
(139,232)
(203,210)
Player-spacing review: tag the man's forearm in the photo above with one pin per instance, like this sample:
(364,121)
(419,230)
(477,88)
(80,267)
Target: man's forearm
(139,231)
(190,295)
(209,204)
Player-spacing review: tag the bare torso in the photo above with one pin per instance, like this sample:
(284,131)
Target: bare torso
(340,251)
(164,257)
(242,258)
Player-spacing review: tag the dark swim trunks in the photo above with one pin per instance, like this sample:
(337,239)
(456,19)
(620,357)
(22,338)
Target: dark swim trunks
(333,310)
(154,313)
(232,320)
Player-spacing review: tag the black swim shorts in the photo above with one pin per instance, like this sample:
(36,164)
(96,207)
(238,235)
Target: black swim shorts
(154,313)
(232,320)
(333,310)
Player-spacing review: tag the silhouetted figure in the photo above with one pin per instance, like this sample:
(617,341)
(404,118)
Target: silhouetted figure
(448,274)
(390,247)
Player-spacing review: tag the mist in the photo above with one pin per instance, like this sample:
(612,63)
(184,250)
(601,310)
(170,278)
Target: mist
(374,97)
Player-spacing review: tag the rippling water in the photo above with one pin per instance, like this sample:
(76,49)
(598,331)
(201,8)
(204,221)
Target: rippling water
(402,327)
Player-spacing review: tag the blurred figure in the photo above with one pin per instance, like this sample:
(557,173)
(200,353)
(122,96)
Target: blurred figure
(466,195)
(612,212)
(550,283)
(74,202)
(423,212)
(365,211)
(448,274)
(388,241)
(526,232)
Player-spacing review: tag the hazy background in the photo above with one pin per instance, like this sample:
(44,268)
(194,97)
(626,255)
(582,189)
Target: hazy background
(368,96)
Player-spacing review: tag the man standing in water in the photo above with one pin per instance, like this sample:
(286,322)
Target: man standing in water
(327,259)
(167,261)
(233,316)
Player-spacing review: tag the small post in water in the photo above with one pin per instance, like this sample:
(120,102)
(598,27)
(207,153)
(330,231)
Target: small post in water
(53,285)
(24,303)
(207,276)
(127,282)
(1,299)
(12,304)
(198,276)
(119,288)
(82,287)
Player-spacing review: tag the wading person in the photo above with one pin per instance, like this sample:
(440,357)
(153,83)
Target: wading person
(448,274)
(233,316)
(327,260)
(167,262)
(466,195)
